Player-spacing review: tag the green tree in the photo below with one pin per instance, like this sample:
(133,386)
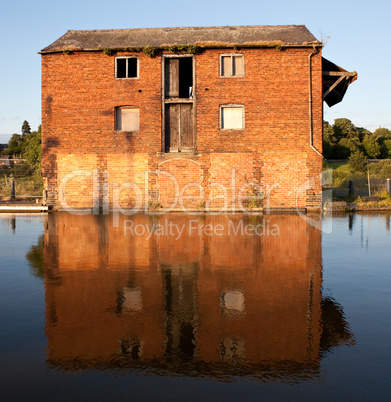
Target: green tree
(32,150)
(35,258)
(385,149)
(344,128)
(329,141)
(355,163)
(344,140)
(347,146)
(371,146)
(383,137)
(382,134)
(28,145)
(26,130)
(15,145)
(362,133)
(328,133)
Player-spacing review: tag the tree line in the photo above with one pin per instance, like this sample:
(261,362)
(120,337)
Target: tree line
(27,145)
(343,140)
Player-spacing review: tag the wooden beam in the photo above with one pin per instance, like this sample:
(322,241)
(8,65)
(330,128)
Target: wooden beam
(333,86)
(339,73)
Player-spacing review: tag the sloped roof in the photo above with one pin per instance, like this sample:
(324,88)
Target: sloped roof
(228,36)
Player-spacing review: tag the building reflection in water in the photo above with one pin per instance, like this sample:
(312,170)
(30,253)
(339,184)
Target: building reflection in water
(203,295)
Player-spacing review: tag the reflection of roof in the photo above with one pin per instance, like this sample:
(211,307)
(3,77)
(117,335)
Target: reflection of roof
(286,372)
(335,332)
(227,36)
(335,328)
(335,82)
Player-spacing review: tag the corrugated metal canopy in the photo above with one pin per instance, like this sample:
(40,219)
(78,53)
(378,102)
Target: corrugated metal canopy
(335,82)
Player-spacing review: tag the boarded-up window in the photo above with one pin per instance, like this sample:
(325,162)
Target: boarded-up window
(226,66)
(126,67)
(131,299)
(127,119)
(232,65)
(233,300)
(232,117)
(237,64)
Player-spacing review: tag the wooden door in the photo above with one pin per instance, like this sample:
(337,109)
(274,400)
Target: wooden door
(186,127)
(172,78)
(179,127)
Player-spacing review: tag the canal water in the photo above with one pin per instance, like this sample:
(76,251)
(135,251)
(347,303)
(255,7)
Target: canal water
(176,307)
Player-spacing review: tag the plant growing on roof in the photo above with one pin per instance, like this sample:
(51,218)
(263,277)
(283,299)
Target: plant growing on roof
(132,49)
(192,49)
(150,51)
(173,48)
(108,52)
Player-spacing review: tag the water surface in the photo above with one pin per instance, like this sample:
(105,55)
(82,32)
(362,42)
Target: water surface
(190,307)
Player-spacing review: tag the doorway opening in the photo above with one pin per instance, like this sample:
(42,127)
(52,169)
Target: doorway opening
(179,77)
(178,107)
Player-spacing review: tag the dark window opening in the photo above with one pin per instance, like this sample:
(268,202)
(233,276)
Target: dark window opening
(126,67)
(131,349)
(185,77)
(179,77)
(121,68)
(132,68)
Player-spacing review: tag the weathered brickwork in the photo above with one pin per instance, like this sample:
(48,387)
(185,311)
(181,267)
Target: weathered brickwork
(272,154)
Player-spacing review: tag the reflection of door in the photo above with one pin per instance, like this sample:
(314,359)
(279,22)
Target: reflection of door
(179,104)
(179,127)
(180,310)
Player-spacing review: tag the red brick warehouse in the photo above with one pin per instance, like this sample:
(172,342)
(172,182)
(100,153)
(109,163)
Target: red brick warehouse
(207,117)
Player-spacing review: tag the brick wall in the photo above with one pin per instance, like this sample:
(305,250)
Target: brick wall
(272,153)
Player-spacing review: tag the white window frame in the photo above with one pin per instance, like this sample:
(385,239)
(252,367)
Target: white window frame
(117,112)
(127,58)
(230,106)
(221,66)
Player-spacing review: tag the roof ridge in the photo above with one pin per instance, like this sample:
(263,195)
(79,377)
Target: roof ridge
(226,36)
(186,28)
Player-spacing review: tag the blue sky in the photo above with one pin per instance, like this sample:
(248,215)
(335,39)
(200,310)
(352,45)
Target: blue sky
(358,30)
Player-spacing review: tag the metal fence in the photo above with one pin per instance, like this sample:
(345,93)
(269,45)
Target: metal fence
(357,177)
(20,182)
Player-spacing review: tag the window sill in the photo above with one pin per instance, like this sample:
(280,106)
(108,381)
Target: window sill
(231,76)
(178,100)
(172,155)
